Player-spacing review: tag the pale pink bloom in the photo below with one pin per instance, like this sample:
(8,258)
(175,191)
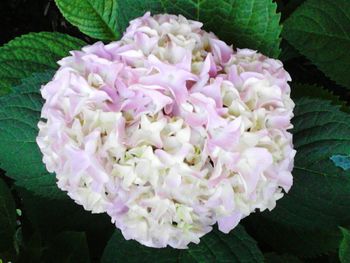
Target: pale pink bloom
(169,131)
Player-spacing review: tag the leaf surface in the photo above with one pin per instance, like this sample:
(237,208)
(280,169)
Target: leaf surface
(20,156)
(34,52)
(320,30)
(237,246)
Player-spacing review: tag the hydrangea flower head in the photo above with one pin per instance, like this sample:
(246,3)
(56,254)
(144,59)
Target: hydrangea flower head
(169,131)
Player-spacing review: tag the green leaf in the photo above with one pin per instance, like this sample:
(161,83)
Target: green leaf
(237,246)
(68,247)
(300,242)
(244,23)
(344,249)
(34,52)
(7,217)
(305,90)
(320,196)
(320,31)
(20,156)
(65,215)
(95,18)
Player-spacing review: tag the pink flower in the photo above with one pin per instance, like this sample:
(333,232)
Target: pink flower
(169,131)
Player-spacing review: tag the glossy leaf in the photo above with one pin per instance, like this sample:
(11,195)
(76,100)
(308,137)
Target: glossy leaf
(320,31)
(34,52)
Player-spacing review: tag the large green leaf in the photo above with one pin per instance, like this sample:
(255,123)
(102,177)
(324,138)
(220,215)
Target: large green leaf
(20,156)
(34,52)
(244,23)
(320,196)
(344,249)
(237,246)
(7,217)
(68,247)
(301,242)
(97,19)
(65,215)
(300,90)
(320,31)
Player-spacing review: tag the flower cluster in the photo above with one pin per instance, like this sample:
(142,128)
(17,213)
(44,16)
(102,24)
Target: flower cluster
(169,131)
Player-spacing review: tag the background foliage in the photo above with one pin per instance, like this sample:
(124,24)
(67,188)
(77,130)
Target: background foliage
(38,223)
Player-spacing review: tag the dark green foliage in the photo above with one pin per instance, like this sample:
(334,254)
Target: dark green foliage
(34,52)
(68,247)
(237,246)
(7,220)
(320,31)
(285,258)
(344,248)
(300,242)
(19,115)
